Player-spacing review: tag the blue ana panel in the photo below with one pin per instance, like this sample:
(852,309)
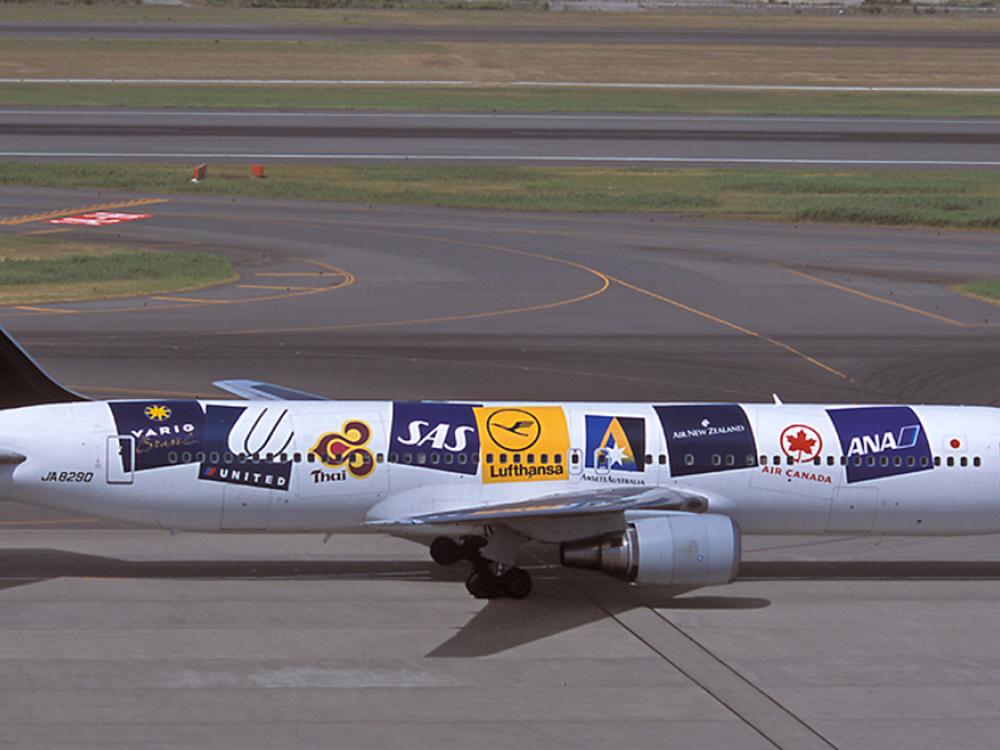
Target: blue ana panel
(445,433)
(707,438)
(159,428)
(620,440)
(881,441)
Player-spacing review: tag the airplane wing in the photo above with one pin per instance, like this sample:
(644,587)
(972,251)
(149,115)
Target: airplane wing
(580,503)
(256,390)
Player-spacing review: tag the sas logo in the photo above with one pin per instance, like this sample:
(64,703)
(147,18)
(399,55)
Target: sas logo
(801,443)
(157,412)
(446,433)
(347,449)
(881,441)
(523,444)
(616,443)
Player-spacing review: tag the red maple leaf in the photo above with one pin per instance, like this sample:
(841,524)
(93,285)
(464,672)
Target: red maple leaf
(801,443)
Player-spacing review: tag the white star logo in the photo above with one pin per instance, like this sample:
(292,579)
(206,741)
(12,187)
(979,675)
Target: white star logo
(616,455)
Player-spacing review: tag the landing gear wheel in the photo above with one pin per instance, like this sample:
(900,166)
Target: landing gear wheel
(516,583)
(482,583)
(445,551)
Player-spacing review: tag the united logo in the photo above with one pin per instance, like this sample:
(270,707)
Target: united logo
(347,449)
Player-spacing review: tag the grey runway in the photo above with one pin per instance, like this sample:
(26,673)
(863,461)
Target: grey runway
(81,134)
(554,34)
(120,636)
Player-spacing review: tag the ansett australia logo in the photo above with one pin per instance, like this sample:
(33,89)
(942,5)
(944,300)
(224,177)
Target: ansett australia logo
(881,441)
(346,450)
(446,435)
(615,443)
(523,444)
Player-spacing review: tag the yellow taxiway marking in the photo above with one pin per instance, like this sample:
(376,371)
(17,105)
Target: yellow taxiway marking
(735,326)
(876,298)
(29,218)
(45,309)
(313,274)
(192,299)
(50,521)
(284,287)
(54,230)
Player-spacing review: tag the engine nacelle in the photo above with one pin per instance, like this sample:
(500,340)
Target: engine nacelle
(669,549)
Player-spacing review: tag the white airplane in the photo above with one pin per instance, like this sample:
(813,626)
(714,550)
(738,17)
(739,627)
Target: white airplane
(655,494)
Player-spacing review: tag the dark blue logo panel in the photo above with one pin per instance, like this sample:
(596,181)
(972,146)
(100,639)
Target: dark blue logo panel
(445,435)
(881,441)
(618,443)
(222,458)
(702,439)
(159,428)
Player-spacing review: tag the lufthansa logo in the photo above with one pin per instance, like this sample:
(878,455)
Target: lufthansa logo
(514,429)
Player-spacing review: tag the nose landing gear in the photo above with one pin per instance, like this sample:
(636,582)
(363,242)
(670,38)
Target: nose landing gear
(488,579)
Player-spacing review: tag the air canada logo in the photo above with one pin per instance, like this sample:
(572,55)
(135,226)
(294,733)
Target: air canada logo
(157,412)
(347,449)
(801,443)
(514,429)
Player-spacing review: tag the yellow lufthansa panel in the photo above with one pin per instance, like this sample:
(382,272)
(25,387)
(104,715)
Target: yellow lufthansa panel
(523,443)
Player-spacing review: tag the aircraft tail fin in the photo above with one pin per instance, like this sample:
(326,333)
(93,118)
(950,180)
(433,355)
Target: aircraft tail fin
(23,382)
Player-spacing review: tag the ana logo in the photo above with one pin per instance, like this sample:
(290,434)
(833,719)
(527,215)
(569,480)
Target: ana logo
(879,442)
(347,449)
(514,429)
(617,443)
(442,436)
(801,443)
(157,412)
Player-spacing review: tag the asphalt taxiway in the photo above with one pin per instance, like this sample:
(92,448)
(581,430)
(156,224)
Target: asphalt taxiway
(117,637)
(186,135)
(555,34)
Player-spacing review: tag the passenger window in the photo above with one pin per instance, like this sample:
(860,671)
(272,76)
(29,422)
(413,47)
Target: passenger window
(213,457)
(977,461)
(829,460)
(407,458)
(897,461)
(516,458)
(172,457)
(462,458)
(937,460)
(716,459)
(200,457)
(379,458)
(544,458)
(763,460)
(435,458)
(649,459)
(816,461)
(663,459)
(777,460)
(689,459)
(871,460)
(951,460)
(557,458)
(449,458)
(310,458)
(503,458)
(965,461)
(843,460)
(750,459)
(269,458)
(924,461)
(530,458)
(730,459)
(574,458)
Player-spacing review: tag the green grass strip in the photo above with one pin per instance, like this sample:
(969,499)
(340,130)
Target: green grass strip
(988,291)
(961,199)
(500,99)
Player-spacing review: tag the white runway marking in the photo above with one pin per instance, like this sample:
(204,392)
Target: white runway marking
(510,158)
(524,84)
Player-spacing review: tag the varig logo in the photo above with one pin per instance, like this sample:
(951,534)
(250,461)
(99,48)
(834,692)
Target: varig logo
(801,443)
(879,442)
(513,429)
(347,449)
(157,412)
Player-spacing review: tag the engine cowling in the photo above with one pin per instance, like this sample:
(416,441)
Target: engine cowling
(669,549)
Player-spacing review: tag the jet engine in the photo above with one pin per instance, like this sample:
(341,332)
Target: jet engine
(668,549)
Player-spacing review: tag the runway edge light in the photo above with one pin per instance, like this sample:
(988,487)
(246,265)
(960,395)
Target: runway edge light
(257,171)
(200,172)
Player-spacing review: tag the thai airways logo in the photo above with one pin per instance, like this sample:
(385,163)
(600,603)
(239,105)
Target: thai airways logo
(157,412)
(615,443)
(881,441)
(347,449)
(801,443)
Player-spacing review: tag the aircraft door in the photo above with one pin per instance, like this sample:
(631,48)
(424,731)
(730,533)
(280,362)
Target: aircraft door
(853,509)
(120,459)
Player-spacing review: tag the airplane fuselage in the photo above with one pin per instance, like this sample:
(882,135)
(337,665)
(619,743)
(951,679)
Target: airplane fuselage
(338,465)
